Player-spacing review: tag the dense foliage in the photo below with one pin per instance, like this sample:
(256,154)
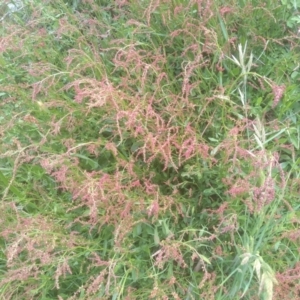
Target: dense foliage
(149,149)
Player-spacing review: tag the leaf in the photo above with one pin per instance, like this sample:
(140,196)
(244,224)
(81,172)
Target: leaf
(204,258)
(12,188)
(293,75)
(137,230)
(276,246)
(223,27)
(156,237)
(295,142)
(93,164)
(165,227)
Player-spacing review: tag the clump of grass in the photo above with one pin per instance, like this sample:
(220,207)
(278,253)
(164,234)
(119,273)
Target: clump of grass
(149,150)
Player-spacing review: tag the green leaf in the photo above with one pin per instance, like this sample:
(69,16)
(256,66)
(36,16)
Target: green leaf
(295,142)
(93,164)
(156,237)
(294,74)
(12,188)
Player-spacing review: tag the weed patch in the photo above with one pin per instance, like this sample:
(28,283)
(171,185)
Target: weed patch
(149,150)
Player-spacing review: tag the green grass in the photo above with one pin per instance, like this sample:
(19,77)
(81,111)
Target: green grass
(149,150)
